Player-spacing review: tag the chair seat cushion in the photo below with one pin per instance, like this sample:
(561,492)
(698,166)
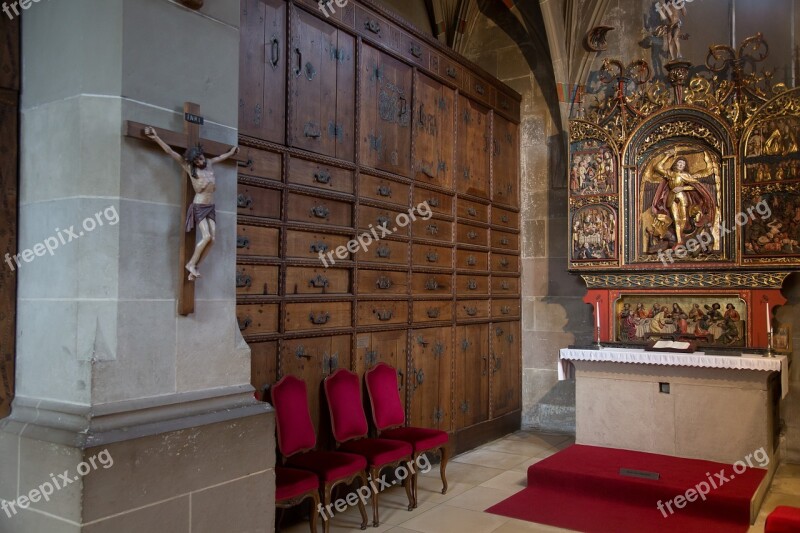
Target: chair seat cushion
(291,482)
(328,466)
(379,452)
(420,438)
(783,519)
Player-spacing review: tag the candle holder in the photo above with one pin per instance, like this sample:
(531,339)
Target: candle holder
(770,349)
(597,338)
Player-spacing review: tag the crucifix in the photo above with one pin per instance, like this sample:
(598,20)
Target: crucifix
(198,191)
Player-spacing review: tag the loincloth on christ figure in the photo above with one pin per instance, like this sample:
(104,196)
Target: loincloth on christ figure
(199,212)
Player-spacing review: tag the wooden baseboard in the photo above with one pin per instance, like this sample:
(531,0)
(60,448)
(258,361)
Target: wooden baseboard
(473,436)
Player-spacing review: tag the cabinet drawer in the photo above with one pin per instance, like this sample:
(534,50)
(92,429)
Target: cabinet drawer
(385,252)
(431,256)
(380,282)
(473,235)
(319,210)
(433,310)
(469,260)
(432,229)
(505,263)
(257,241)
(261,164)
(438,202)
(452,72)
(257,319)
(317,316)
(383,190)
(415,51)
(508,105)
(431,284)
(481,90)
(504,286)
(505,309)
(469,309)
(504,218)
(321,177)
(376,28)
(382,313)
(256,280)
(308,245)
(473,211)
(472,285)
(379,216)
(317,281)
(505,241)
(258,202)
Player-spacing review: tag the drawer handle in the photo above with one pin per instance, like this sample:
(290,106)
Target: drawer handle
(318,247)
(321,211)
(383,252)
(384,315)
(504,218)
(275,52)
(416,50)
(432,229)
(312,131)
(471,211)
(323,177)
(451,72)
(432,285)
(382,221)
(243,281)
(385,191)
(384,283)
(300,353)
(372,25)
(246,164)
(242,242)
(320,318)
(472,261)
(433,312)
(472,285)
(320,282)
(505,310)
(244,324)
(505,285)
(504,262)
(472,235)
(433,202)
(480,89)
(244,201)
(432,257)
(471,311)
(504,242)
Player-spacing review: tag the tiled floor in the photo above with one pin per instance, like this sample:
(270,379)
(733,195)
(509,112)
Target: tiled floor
(487,475)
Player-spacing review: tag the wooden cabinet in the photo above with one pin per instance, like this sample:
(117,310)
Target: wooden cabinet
(322,73)
(398,245)
(385,112)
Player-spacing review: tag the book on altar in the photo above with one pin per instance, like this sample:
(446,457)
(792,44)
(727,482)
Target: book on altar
(672,345)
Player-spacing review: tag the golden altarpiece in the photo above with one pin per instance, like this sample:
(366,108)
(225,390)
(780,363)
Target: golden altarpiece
(684,200)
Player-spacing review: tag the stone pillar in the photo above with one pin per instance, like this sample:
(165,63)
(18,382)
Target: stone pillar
(104,360)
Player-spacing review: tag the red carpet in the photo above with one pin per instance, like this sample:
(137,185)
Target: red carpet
(580,488)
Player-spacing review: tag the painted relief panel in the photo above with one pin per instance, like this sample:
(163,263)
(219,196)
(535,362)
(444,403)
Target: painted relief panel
(593,169)
(594,233)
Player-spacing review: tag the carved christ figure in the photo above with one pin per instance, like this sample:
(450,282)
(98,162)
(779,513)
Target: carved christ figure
(202,212)
(682,196)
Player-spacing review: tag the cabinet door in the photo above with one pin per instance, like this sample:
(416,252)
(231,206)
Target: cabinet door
(505,368)
(472,374)
(263,364)
(472,160)
(506,161)
(262,70)
(321,64)
(434,132)
(430,380)
(385,347)
(385,112)
(312,360)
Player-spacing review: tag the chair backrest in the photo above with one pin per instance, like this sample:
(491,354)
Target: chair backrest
(295,429)
(384,398)
(343,392)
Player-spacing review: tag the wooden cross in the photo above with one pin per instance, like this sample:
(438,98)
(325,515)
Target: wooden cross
(190,137)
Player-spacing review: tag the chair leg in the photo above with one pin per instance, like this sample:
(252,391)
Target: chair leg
(414,478)
(442,469)
(361,507)
(314,510)
(326,501)
(374,474)
(409,485)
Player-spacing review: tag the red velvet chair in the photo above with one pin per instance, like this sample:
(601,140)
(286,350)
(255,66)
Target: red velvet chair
(293,487)
(296,442)
(388,415)
(349,425)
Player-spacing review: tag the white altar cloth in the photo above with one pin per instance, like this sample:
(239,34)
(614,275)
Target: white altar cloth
(697,359)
